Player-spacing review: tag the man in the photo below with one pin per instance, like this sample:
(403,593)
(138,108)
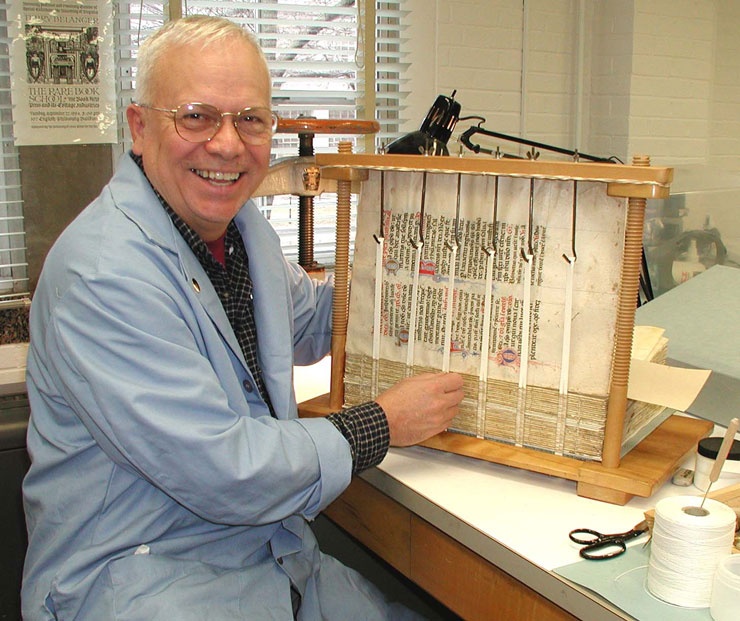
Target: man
(170,477)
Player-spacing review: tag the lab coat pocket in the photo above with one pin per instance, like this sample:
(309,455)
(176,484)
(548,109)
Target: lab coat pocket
(150,587)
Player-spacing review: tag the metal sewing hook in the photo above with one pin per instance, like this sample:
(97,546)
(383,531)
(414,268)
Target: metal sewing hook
(457,211)
(495,214)
(573,256)
(423,203)
(530,249)
(456,226)
(380,235)
(415,243)
(493,247)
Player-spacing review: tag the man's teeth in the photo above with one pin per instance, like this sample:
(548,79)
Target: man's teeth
(215,175)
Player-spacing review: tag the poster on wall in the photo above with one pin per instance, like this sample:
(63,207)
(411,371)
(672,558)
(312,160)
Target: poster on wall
(62,72)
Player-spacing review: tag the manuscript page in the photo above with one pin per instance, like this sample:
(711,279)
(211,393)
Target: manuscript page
(598,243)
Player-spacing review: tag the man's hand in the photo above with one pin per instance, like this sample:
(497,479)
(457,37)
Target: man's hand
(419,407)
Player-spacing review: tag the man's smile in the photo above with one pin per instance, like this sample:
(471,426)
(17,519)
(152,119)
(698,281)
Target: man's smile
(216,176)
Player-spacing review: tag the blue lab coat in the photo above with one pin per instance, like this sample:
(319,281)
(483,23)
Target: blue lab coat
(161,487)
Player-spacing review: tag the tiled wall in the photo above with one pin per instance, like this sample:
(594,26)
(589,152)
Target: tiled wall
(672,79)
(609,50)
(725,109)
(659,76)
(551,71)
(478,53)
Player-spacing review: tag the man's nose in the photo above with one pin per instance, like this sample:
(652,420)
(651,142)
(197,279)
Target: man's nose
(226,142)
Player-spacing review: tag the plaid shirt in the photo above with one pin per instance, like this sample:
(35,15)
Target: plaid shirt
(364,426)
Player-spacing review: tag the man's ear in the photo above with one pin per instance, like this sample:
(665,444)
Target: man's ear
(136,123)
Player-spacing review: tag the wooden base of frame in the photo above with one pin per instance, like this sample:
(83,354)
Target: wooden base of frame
(640,473)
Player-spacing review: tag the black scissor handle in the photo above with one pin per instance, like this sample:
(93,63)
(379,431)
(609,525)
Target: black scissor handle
(601,549)
(596,545)
(585,536)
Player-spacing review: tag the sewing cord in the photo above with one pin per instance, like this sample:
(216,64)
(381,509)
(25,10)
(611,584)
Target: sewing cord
(524,355)
(485,345)
(414,306)
(686,550)
(565,359)
(447,342)
(377,308)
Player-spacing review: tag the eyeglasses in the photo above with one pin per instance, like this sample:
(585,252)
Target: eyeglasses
(198,122)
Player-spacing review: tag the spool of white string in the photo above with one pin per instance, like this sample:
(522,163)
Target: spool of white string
(687,546)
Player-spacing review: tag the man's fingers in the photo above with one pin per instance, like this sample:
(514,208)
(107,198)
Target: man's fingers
(448,382)
(420,406)
(452,382)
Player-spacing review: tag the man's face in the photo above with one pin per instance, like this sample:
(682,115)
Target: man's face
(230,76)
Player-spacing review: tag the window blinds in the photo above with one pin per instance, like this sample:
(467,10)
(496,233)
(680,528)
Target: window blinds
(13,265)
(315,50)
(135,20)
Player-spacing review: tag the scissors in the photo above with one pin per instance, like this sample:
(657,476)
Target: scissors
(597,546)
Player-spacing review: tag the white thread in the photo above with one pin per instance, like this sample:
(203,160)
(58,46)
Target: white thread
(524,353)
(686,549)
(376,311)
(485,345)
(487,306)
(629,571)
(414,306)
(567,324)
(565,359)
(526,301)
(378,296)
(448,318)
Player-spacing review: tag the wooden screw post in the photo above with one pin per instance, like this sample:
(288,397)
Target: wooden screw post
(630,283)
(341,287)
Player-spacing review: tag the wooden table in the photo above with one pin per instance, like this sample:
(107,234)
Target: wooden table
(472,574)
(476,574)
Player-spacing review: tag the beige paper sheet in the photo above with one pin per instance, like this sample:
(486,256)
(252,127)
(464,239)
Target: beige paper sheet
(660,384)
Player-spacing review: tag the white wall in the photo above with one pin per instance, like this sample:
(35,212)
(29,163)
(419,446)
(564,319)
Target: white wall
(671,85)
(610,26)
(473,47)
(511,61)
(479,55)
(659,76)
(421,35)
(724,130)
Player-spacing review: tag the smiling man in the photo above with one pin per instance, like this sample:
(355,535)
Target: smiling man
(170,476)
(207,167)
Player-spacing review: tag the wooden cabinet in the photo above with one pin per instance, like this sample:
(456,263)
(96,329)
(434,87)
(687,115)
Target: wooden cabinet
(462,580)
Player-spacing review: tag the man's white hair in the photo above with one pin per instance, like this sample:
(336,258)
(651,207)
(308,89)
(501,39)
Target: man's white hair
(194,30)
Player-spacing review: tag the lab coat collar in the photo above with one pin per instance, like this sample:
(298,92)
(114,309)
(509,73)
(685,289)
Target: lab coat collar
(273,309)
(134,196)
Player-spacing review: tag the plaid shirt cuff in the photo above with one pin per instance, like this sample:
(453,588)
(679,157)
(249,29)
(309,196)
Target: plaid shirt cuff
(366,429)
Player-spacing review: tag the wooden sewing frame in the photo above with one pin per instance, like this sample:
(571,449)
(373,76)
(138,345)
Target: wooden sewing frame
(616,480)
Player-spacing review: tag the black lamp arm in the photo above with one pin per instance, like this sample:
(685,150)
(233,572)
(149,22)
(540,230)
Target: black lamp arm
(476,148)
